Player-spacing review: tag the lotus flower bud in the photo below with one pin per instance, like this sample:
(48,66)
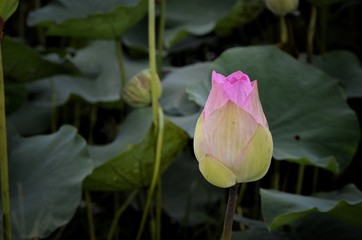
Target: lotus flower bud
(137,92)
(282,7)
(232,141)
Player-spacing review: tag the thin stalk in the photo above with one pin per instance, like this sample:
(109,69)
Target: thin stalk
(283,30)
(239,209)
(152,58)
(22,20)
(241,193)
(122,71)
(229,214)
(323,28)
(119,213)
(5,196)
(156,172)
(92,123)
(276,175)
(88,201)
(161,36)
(53,115)
(77,114)
(40,30)
(311,33)
(300,179)
(315,179)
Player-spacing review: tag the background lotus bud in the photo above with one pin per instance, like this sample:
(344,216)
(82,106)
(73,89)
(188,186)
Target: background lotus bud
(137,92)
(282,7)
(232,141)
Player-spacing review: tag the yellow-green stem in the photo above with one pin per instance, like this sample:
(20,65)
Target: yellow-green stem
(311,33)
(161,35)
(283,30)
(152,59)
(156,172)
(5,197)
(229,214)
(119,213)
(88,201)
(300,179)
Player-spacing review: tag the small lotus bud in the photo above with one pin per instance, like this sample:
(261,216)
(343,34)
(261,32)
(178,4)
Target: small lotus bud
(282,7)
(232,141)
(137,92)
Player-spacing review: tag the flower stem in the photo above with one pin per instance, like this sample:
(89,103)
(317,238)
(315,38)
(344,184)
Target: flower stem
(152,58)
(156,172)
(5,197)
(161,33)
(119,213)
(92,234)
(311,33)
(229,214)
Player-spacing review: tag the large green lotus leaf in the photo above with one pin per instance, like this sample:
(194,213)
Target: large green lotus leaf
(345,67)
(306,110)
(193,17)
(46,174)
(280,208)
(31,119)
(100,80)
(128,162)
(88,18)
(324,2)
(185,193)
(15,96)
(22,64)
(185,18)
(315,226)
(7,8)
(179,106)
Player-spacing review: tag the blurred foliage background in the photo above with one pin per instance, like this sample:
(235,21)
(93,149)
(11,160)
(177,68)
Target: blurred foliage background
(81,160)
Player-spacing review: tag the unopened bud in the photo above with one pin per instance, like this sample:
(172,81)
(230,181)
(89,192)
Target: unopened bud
(137,92)
(282,7)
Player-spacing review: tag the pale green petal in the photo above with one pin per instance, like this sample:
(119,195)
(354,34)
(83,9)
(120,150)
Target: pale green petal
(227,132)
(199,139)
(216,173)
(256,157)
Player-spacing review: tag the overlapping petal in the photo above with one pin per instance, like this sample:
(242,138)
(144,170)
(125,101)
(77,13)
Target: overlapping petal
(256,156)
(227,131)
